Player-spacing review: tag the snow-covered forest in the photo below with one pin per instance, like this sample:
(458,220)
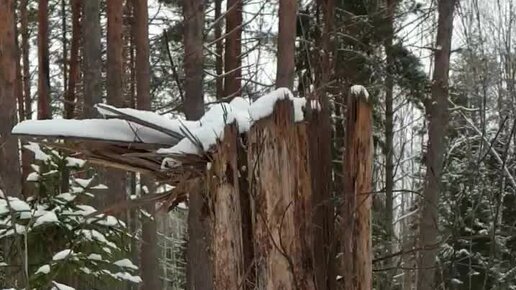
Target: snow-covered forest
(257,144)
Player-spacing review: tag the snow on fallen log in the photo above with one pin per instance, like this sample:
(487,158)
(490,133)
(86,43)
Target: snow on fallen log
(172,127)
(239,111)
(112,130)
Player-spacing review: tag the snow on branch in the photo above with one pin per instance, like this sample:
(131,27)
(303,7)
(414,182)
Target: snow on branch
(175,137)
(112,130)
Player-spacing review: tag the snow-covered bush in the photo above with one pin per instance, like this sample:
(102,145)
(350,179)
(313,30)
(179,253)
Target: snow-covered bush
(62,240)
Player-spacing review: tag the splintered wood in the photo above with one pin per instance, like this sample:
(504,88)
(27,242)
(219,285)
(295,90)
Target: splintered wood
(224,203)
(280,187)
(356,259)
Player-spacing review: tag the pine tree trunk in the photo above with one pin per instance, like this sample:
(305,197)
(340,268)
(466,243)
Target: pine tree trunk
(44,111)
(219,51)
(280,184)
(389,135)
(141,39)
(321,160)
(27,98)
(149,244)
(437,112)
(115,179)
(70,98)
(233,49)
(285,68)
(115,45)
(9,163)
(92,61)
(199,270)
(357,199)
(193,14)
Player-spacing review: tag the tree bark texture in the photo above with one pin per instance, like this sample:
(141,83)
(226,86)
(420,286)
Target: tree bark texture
(193,12)
(280,185)
(9,163)
(437,114)
(70,97)
(199,270)
(285,68)
(92,61)
(224,200)
(356,258)
(141,39)
(44,111)
(219,51)
(320,129)
(233,49)
(115,45)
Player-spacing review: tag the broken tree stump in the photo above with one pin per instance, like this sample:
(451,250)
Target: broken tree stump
(280,188)
(225,214)
(356,258)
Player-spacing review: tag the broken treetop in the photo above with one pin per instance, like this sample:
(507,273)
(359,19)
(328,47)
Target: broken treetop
(171,137)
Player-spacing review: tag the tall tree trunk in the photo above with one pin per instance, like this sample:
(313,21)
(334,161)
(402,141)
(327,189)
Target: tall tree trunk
(27,98)
(357,197)
(233,49)
(149,245)
(9,164)
(25,57)
(114,178)
(141,38)
(115,46)
(437,112)
(321,160)
(285,68)
(219,50)
(70,98)
(44,111)
(64,43)
(199,270)
(389,131)
(92,57)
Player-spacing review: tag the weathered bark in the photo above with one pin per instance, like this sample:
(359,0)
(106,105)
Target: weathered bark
(44,111)
(193,14)
(356,209)
(247,216)
(437,113)
(141,39)
(233,49)
(92,61)
(70,98)
(115,179)
(224,200)
(115,44)
(9,163)
(199,265)
(285,68)
(281,188)
(219,50)
(319,129)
